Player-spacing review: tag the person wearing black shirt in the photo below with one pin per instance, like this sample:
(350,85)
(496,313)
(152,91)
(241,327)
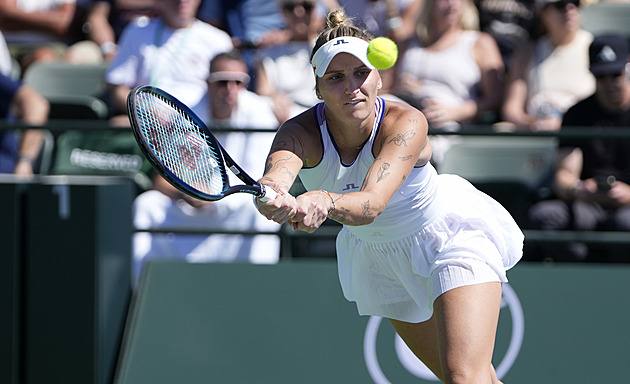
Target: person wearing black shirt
(592,179)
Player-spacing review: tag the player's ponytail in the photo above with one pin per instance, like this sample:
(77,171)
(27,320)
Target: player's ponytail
(338,25)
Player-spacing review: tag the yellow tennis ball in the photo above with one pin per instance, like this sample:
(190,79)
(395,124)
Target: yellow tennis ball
(382,52)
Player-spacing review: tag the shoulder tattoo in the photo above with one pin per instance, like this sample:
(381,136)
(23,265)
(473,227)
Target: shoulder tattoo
(402,138)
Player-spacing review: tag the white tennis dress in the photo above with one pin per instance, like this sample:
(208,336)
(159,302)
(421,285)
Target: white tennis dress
(438,232)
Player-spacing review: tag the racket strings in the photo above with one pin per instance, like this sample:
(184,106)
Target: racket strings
(180,144)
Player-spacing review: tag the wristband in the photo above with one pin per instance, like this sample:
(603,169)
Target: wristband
(332,200)
(108,47)
(394,22)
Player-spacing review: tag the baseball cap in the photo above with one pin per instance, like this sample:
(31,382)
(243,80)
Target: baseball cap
(345,44)
(608,54)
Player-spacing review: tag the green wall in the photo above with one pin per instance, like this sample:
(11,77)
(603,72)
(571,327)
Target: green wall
(289,323)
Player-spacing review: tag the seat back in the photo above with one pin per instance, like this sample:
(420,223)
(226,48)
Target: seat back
(74,91)
(101,153)
(59,78)
(527,160)
(516,171)
(607,17)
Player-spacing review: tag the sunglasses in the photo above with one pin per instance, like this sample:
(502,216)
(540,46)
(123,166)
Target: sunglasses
(224,83)
(289,7)
(222,78)
(562,5)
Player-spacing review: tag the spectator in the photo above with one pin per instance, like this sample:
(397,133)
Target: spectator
(284,72)
(171,52)
(39,30)
(107,19)
(251,23)
(6,62)
(551,74)
(592,179)
(395,19)
(228,103)
(19,151)
(512,23)
(460,78)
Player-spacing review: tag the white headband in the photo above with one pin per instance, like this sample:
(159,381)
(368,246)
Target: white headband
(352,45)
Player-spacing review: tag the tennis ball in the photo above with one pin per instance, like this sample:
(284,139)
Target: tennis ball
(382,53)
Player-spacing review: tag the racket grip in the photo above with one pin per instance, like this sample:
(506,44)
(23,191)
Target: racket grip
(270,194)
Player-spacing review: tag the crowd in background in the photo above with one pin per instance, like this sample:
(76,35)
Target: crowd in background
(516,65)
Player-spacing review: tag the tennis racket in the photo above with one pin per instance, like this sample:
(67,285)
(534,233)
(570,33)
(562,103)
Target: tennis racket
(183,150)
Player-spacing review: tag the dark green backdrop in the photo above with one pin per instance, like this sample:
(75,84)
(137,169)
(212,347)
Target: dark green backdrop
(289,323)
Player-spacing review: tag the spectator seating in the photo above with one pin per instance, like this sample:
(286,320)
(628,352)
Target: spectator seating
(67,85)
(516,171)
(77,92)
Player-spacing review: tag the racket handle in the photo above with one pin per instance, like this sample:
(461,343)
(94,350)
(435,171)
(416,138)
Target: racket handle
(270,194)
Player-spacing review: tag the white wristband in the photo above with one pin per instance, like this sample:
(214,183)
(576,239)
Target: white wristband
(394,22)
(108,48)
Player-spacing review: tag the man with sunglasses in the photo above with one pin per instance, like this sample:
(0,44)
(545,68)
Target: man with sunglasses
(593,175)
(229,104)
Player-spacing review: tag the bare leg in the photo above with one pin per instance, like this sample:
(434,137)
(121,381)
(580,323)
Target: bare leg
(458,341)
(422,340)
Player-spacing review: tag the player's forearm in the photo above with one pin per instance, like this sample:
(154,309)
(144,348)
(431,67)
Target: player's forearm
(357,208)
(281,169)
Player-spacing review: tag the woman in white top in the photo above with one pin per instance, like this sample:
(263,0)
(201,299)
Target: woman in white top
(283,72)
(427,252)
(172,52)
(549,75)
(451,71)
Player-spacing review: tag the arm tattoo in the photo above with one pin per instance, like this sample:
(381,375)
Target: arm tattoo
(283,170)
(271,164)
(402,138)
(405,158)
(366,209)
(382,174)
(340,214)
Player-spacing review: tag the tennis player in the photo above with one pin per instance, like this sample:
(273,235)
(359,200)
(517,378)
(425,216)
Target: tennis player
(427,252)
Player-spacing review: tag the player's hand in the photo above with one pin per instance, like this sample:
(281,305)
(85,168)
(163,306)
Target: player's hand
(280,209)
(312,211)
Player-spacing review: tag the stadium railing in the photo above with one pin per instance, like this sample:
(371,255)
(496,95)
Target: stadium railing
(321,242)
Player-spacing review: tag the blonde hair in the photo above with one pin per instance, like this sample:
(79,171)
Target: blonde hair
(469,19)
(338,24)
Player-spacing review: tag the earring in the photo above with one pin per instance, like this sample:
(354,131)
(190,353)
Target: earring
(319,96)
